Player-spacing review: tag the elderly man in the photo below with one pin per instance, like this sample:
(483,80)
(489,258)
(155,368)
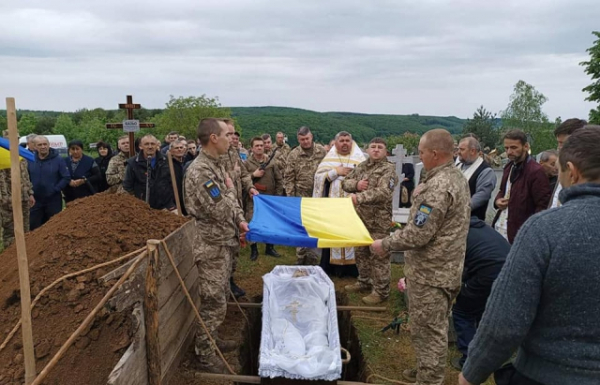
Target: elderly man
(148,178)
(49,176)
(299,178)
(545,304)
(267,180)
(178,150)
(339,161)
(479,174)
(115,172)
(31,142)
(434,241)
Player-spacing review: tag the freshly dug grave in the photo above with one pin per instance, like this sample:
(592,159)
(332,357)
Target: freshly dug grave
(90,231)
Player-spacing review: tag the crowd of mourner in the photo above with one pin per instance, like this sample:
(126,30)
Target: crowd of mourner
(521,283)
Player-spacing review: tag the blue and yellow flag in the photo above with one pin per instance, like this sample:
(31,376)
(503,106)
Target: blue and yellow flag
(5,154)
(307,222)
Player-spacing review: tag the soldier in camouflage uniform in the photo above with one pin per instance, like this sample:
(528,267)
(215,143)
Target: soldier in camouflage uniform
(6,207)
(115,172)
(267,180)
(435,243)
(371,185)
(298,179)
(242,181)
(210,197)
(283,149)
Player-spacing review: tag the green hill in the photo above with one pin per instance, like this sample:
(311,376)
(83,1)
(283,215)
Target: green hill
(257,120)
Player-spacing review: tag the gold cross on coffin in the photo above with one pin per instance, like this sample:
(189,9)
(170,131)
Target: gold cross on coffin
(130,106)
(293,306)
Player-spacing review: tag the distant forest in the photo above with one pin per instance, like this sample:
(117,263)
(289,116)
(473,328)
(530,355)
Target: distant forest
(88,125)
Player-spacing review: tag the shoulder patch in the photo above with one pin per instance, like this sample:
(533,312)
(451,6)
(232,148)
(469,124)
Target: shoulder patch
(392,183)
(213,190)
(422,215)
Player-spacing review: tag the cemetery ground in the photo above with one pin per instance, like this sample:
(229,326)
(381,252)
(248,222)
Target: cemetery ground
(385,355)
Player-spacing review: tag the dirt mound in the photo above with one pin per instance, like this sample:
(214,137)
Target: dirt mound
(90,231)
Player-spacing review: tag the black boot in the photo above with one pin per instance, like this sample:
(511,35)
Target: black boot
(237,291)
(270,250)
(253,252)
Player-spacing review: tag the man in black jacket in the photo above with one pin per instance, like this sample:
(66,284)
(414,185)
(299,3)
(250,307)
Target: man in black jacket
(484,258)
(157,190)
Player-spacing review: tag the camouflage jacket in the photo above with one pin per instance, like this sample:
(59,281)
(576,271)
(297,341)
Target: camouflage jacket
(435,236)
(375,203)
(115,172)
(301,165)
(214,206)
(270,184)
(5,184)
(282,153)
(234,167)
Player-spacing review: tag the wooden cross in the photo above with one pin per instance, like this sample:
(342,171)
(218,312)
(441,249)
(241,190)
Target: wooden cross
(130,106)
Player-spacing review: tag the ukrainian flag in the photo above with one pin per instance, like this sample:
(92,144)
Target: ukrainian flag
(5,154)
(307,222)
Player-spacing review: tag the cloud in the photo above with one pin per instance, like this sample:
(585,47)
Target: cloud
(428,57)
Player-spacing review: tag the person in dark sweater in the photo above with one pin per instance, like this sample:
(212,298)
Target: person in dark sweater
(408,169)
(545,302)
(105,154)
(548,161)
(484,258)
(84,173)
(150,162)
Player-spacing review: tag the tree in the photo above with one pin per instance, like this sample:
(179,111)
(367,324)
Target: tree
(184,113)
(65,126)
(483,126)
(524,111)
(592,68)
(408,140)
(44,125)
(26,124)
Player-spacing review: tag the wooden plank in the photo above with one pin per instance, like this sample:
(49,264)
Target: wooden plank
(132,368)
(171,284)
(172,333)
(168,306)
(153,349)
(131,291)
(15,175)
(172,353)
(180,245)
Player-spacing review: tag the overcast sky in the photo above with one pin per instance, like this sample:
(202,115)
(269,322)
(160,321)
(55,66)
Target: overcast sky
(430,57)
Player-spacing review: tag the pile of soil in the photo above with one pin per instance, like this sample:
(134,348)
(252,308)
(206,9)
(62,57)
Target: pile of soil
(90,231)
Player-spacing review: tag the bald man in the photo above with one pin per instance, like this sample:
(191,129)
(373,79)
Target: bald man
(435,240)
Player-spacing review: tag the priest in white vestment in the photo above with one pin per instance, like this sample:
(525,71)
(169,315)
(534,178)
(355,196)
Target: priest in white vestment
(339,161)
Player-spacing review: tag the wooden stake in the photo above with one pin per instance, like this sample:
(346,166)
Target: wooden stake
(15,177)
(255,379)
(174,182)
(151,315)
(339,308)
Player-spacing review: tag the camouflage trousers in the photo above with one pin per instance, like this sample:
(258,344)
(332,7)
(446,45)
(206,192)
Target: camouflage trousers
(214,269)
(428,311)
(306,256)
(373,269)
(8,224)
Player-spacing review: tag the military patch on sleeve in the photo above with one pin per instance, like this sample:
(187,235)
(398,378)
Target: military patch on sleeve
(391,183)
(422,215)
(213,190)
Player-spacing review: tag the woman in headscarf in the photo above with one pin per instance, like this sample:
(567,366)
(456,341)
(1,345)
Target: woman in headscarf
(105,153)
(85,173)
